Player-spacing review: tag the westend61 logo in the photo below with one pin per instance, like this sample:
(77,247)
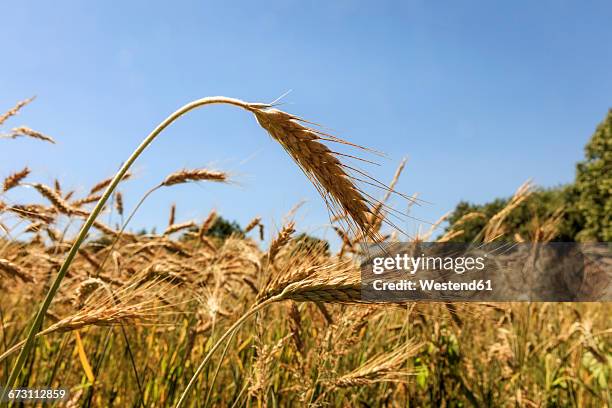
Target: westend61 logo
(551,272)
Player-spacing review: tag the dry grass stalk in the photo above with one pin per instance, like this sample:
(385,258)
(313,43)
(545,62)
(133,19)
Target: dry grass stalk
(335,281)
(207,224)
(104,183)
(280,240)
(252,224)
(15,110)
(382,368)
(179,227)
(92,198)
(14,179)
(23,131)
(336,289)
(110,231)
(186,176)
(105,315)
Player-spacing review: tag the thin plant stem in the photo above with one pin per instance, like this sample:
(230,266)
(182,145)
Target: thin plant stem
(225,335)
(214,379)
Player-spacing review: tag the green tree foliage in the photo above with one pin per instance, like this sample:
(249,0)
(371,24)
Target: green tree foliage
(586,204)
(538,207)
(594,185)
(223,228)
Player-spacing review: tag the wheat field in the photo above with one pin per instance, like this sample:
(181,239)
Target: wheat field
(187,318)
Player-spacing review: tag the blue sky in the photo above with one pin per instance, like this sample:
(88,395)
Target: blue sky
(480,96)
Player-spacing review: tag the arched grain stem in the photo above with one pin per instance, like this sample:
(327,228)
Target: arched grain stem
(40,315)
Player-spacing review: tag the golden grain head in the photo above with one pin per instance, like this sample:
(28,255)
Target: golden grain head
(14,179)
(58,202)
(193,175)
(320,164)
(24,131)
(104,183)
(208,223)
(174,228)
(92,198)
(252,224)
(13,111)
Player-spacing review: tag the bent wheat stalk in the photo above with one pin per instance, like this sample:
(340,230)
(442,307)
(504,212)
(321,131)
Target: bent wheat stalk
(319,163)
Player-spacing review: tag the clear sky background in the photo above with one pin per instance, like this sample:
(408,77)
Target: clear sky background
(479,95)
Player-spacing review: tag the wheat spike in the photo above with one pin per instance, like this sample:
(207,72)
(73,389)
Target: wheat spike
(331,281)
(104,183)
(92,198)
(319,164)
(57,201)
(207,224)
(33,212)
(27,132)
(109,231)
(280,240)
(14,179)
(186,176)
(252,224)
(382,368)
(15,109)
(179,227)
